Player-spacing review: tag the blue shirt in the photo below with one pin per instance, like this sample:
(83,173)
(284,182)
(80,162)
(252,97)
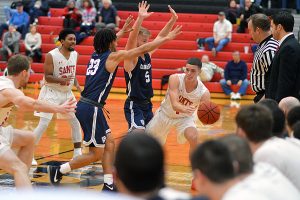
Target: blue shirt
(108,15)
(19,19)
(139,80)
(98,80)
(235,71)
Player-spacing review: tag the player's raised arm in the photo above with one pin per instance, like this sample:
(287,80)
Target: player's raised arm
(174,96)
(115,58)
(133,36)
(168,27)
(19,99)
(126,28)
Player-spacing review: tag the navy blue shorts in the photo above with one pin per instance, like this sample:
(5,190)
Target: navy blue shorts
(137,115)
(93,124)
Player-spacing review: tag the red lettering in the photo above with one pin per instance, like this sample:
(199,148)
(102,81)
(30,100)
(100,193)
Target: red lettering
(184,101)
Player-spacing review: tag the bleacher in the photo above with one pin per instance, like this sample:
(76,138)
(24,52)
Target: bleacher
(166,60)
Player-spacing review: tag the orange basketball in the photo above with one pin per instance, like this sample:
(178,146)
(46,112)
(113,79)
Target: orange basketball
(208,112)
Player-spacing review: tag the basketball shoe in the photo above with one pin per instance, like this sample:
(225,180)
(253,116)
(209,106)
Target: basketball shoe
(55,175)
(109,187)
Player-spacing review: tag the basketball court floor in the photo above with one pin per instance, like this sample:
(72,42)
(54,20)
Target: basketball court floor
(56,147)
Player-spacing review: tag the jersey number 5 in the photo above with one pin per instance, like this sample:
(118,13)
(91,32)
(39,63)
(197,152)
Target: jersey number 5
(147,76)
(93,67)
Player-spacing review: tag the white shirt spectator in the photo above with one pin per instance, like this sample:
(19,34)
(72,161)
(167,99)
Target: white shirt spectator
(33,41)
(222,28)
(265,183)
(208,70)
(283,155)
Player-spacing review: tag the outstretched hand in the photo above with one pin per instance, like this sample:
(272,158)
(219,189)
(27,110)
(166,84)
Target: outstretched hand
(173,34)
(127,27)
(172,11)
(68,107)
(143,10)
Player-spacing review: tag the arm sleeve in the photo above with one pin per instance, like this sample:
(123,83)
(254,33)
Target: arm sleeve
(245,71)
(226,71)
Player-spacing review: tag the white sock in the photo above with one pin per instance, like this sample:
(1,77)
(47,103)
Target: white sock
(108,179)
(65,168)
(77,152)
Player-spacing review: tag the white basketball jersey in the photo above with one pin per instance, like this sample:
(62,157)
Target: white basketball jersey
(185,98)
(63,68)
(5,83)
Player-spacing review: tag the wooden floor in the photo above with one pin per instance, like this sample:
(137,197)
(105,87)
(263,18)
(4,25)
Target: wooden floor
(56,147)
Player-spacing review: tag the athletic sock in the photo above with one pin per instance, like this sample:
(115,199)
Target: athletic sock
(108,179)
(65,168)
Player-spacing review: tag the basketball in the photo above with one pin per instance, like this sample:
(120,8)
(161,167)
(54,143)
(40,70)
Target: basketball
(208,112)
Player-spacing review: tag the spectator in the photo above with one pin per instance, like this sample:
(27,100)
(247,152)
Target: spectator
(108,16)
(39,8)
(293,121)
(19,19)
(287,103)
(224,170)
(208,69)
(285,73)
(278,129)
(259,30)
(11,43)
(140,159)
(255,123)
(88,17)
(246,12)
(72,16)
(222,34)
(79,4)
(235,74)
(33,41)
(233,12)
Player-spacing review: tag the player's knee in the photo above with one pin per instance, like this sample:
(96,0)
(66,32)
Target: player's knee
(18,167)
(191,135)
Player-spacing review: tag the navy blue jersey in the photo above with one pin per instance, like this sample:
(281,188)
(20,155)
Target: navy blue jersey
(139,80)
(98,80)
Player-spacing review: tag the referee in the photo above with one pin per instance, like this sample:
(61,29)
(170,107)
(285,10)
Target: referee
(259,29)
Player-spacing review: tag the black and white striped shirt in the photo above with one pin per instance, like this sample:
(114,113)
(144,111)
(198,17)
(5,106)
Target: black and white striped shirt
(262,62)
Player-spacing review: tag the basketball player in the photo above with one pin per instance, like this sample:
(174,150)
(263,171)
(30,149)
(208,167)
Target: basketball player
(184,94)
(100,75)
(138,72)
(10,95)
(60,71)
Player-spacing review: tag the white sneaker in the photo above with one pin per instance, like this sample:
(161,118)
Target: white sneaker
(33,162)
(237,96)
(76,153)
(232,96)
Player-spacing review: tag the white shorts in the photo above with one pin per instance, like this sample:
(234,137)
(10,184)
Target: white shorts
(6,138)
(160,125)
(55,97)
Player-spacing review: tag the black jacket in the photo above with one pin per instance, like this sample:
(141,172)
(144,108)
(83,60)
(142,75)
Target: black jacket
(285,71)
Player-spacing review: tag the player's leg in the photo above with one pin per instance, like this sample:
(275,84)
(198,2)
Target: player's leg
(107,163)
(24,141)
(187,131)
(134,116)
(76,136)
(159,126)
(10,163)
(148,114)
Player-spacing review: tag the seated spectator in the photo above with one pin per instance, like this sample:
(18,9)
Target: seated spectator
(10,43)
(108,16)
(233,12)
(287,103)
(19,19)
(79,4)
(208,69)
(72,16)
(88,17)
(39,8)
(235,73)
(224,170)
(255,123)
(293,121)
(140,159)
(221,34)
(33,42)
(246,12)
